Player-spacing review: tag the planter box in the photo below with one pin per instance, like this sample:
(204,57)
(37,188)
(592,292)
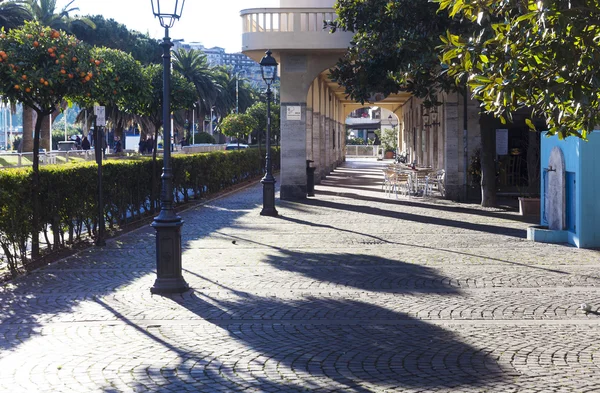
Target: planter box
(389,154)
(529,206)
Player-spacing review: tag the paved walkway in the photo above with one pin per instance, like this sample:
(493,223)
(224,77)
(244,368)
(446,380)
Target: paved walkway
(348,292)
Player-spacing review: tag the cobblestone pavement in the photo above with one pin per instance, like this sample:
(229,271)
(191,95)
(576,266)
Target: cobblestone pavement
(350,291)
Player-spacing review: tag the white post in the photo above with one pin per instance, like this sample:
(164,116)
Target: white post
(211,120)
(5,124)
(50,133)
(194,125)
(237,92)
(65,115)
(10,130)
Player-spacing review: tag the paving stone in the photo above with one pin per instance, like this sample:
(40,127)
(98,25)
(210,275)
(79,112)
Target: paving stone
(350,291)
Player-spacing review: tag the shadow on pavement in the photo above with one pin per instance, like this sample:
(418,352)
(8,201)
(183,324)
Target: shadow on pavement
(344,344)
(497,230)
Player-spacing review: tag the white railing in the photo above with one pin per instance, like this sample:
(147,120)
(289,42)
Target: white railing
(362,151)
(288,20)
(202,148)
(19,160)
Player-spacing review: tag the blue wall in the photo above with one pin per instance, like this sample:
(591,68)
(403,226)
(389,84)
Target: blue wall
(583,160)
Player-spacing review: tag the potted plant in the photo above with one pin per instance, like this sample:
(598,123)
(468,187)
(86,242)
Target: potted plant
(389,141)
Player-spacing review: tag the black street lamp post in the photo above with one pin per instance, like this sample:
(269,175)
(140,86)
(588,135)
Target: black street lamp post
(167,224)
(268,66)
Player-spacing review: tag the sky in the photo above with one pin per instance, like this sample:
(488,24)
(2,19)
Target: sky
(210,22)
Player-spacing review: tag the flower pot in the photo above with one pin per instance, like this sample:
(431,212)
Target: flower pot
(529,206)
(389,154)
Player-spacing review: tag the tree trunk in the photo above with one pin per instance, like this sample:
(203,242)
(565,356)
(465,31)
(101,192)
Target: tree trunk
(35,189)
(46,132)
(28,124)
(488,165)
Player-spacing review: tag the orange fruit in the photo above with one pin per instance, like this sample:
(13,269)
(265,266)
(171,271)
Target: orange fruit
(36,44)
(46,83)
(24,77)
(27,90)
(74,59)
(62,71)
(70,76)
(97,62)
(42,34)
(41,80)
(17,87)
(50,50)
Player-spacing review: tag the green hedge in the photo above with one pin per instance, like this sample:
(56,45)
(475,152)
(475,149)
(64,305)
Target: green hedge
(69,195)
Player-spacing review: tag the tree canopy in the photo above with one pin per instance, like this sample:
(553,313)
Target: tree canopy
(541,55)
(394,48)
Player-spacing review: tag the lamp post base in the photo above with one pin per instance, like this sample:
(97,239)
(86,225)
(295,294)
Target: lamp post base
(268,198)
(168,257)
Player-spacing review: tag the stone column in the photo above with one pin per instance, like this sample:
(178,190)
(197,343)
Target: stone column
(293,153)
(453,133)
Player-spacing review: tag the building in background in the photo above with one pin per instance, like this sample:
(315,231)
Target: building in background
(246,67)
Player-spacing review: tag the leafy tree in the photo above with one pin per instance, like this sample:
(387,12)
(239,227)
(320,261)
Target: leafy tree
(259,112)
(13,13)
(397,47)
(394,48)
(183,95)
(119,86)
(238,126)
(388,138)
(40,66)
(112,34)
(540,55)
(46,13)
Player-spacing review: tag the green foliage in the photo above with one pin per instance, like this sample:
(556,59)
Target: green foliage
(15,216)
(204,137)
(112,34)
(542,55)
(393,50)
(13,13)
(183,93)
(40,66)
(119,81)
(355,141)
(70,209)
(238,125)
(259,112)
(388,138)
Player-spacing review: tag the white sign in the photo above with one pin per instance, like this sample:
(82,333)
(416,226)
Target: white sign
(501,142)
(294,113)
(100,113)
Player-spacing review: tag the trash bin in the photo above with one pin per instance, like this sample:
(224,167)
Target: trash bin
(310,178)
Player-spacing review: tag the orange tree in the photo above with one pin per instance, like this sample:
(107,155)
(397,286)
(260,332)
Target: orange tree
(119,86)
(39,67)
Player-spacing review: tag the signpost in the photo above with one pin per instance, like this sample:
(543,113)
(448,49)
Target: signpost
(99,124)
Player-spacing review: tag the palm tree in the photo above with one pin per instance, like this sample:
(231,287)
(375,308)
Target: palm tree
(45,12)
(193,65)
(13,13)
